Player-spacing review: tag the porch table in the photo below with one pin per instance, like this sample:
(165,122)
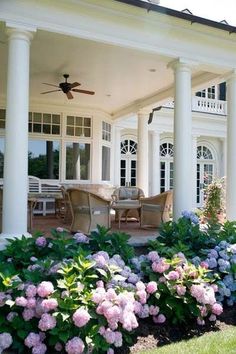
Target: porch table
(123,207)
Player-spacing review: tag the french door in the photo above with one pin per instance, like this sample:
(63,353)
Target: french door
(166,175)
(128,163)
(205,173)
(128,172)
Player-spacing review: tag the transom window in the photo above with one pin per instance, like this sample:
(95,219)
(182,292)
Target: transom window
(167,150)
(204,153)
(44,123)
(106,131)
(78,126)
(128,146)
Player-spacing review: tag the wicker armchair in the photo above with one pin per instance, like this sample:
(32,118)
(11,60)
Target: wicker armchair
(88,210)
(127,195)
(156,209)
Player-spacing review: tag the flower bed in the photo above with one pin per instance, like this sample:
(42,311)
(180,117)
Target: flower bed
(88,294)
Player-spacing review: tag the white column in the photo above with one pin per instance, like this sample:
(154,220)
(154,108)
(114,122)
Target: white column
(155,162)
(194,169)
(231,148)
(183,199)
(117,141)
(96,173)
(223,157)
(142,163)
(16,138)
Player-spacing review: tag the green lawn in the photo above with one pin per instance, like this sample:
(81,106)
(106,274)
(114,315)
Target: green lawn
(222,342)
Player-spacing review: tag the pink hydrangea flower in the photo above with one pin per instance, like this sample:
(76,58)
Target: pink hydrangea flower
(39,349)
(32,340)
(31,291)
(75,346)
(159,319)
(47,322)
(45,289)
(11,316)
(5,340)
(41,241)
(81,317)
(58,347)
(173,275)
(212,318)
(200,321)
(140,285)
(31,303)
(160,266)
(60,229)
(181,290)
(21,301)
(151,287)
(110,351)
(28,314)
(217,309)
(49,305)
(154,310)
(153,256)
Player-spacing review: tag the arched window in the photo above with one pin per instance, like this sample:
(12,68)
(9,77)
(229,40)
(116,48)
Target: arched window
(205,171)
(128,162)
(166,166)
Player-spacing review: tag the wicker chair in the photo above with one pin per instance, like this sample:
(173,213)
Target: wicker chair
(88,210)
(127,195)
(156,209)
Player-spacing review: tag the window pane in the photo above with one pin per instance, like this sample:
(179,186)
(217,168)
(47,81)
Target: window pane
(43,159)
(56,129)
(87,132)
(106,151)
(47,129)
(78,131)
(87,122)
(70,120)
(56,119)
(79,121)
(77,161)
(37,128)
(37,117)
(70,131)
(46,118)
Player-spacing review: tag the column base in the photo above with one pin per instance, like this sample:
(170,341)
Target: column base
(5,237)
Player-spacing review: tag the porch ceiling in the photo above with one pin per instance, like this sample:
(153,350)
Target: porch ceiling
(119,76)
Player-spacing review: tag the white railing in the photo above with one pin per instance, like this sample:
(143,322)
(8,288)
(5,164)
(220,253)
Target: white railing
(200,104)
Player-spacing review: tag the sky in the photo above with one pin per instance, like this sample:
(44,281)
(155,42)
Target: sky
(216,10)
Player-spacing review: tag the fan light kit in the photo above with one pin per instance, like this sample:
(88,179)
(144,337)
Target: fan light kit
(67,87)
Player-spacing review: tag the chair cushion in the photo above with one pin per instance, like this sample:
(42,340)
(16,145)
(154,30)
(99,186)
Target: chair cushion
(151,207)
(128,193)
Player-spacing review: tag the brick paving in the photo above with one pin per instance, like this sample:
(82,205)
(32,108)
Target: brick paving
(138,236)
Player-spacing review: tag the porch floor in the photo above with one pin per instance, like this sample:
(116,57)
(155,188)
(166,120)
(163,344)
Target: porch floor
(139,237)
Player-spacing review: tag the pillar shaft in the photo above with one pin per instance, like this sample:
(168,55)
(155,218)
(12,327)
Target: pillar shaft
(155,163)
(231,148)
(16,139)
(182,140)
(142,163)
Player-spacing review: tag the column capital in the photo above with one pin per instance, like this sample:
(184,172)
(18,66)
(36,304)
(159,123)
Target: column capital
(143,112)
(182,64)
(19,31)
(231,75)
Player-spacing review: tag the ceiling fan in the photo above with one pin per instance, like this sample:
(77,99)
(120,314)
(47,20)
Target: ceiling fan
(67,87)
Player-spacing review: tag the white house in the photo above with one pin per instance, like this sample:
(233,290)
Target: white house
(137,57)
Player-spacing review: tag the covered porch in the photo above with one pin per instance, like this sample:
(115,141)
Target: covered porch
(131,68)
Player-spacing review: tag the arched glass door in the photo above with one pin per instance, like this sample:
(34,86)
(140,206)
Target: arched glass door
(128,163)
(166,166)
(205,171)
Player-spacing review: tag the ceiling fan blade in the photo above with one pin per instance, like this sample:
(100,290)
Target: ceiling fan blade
(74,84)
(69,95)
(84,91)
(43,93)
(45,83)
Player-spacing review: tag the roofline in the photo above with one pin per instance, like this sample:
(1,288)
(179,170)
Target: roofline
(182,15)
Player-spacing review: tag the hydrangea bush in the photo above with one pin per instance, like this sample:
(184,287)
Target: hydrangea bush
(79,294)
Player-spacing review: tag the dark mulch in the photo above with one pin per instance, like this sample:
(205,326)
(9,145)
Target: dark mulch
(150,336)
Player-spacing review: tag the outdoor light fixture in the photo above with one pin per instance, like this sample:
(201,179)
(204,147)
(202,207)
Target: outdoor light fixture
(151,114)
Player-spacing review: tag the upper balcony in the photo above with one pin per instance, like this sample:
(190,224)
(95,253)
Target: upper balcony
(206,105)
